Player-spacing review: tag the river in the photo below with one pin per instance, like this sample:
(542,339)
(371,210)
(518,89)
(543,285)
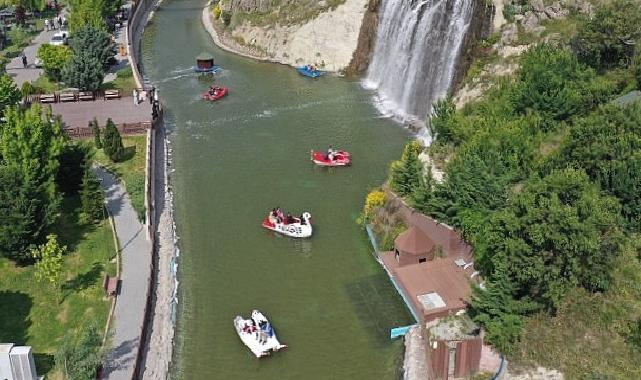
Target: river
(235,159)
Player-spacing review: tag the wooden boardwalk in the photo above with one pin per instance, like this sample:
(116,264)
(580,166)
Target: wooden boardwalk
(121,111)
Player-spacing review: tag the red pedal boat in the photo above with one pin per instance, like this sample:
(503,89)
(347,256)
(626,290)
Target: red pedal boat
(215,93)
(341,158)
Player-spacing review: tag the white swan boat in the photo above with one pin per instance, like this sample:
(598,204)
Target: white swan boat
(298,228)
(257,334)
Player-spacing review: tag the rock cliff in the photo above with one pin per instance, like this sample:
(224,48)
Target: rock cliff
(293,32)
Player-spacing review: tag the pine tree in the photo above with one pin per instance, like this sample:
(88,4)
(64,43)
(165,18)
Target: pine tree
(112,143)
(405,175)
(30,145)
(96,133)
(91,197)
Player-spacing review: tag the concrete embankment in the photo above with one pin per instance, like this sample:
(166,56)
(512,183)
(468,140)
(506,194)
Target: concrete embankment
(149,354)
(328,40)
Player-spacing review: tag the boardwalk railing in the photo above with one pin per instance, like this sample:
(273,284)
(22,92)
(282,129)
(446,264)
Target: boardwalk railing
(140,128)
(78,96)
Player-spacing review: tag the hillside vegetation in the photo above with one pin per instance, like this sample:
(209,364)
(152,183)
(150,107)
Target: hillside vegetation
(543,177)
(276,12)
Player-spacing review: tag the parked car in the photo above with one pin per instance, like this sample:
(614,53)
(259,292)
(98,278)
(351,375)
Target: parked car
(37,63)
(60,38)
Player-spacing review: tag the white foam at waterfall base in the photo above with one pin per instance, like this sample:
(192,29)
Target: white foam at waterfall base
(417,48)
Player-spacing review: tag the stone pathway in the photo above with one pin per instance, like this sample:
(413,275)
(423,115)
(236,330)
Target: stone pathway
(31,73)
(135,251)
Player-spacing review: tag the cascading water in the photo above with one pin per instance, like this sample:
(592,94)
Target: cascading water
(417,48)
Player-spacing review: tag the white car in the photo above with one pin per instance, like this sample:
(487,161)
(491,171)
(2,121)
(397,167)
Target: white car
(60,38)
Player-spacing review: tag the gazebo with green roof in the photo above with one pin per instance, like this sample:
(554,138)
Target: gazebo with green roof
(204,61)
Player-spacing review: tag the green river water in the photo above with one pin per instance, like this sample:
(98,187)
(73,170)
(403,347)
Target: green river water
(327,297)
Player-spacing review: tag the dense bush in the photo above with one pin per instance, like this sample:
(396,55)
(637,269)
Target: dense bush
(609,38)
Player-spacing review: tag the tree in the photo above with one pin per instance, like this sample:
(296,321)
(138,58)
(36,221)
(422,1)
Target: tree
(442,112)
(83,71)
(79,357)
(20,210)
(551,82)
(73,160)
(30,145)
(406,173)
(49,267)
(559,233)
(95,43)
(54,58)
(609,38)
(95,128)
(607,145)
(9,93)
(87,12)
(112,142)
(92,198)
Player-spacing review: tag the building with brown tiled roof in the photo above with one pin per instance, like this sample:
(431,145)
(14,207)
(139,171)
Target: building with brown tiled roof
(413,247)
(431,266)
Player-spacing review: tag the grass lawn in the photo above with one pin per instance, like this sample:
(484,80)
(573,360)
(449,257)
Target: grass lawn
(131,171)
(30,313)
(123,82)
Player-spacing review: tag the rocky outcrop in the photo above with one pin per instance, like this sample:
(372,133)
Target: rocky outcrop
(366,38)
(480,28)
(249,6)
(328,40)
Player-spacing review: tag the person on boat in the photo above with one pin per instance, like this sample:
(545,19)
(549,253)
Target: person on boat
(330,153)
(273,217)
(302,221)
(290,219)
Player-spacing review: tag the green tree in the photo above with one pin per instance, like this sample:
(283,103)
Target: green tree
(557,234)
(92,198)
(49,267)
(86,12)
(80,356)
(9,93)
(551,82)
(20,209)
(54,58)
(607,145)
(73,160)
(30,144)
(405,175)
(112,142)
(439,121)
(609,38)
(83,71)
(95,128)
(93,42)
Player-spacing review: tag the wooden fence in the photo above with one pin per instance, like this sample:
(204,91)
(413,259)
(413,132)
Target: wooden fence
(139,128)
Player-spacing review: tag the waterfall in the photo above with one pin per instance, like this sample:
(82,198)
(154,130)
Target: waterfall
(416,52)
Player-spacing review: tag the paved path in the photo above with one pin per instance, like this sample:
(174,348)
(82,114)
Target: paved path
(135,251)
(31,73)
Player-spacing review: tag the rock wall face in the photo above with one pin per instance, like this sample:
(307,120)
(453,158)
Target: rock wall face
(366,38)
(480,27)
(327,40)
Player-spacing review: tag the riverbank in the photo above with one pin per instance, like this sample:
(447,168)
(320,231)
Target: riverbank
(329,40)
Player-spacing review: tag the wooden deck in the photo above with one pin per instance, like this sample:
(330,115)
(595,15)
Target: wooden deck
(123,112)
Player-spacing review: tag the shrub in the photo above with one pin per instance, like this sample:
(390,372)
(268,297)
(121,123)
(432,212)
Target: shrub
(226,16)
(217,11)
(375,199)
